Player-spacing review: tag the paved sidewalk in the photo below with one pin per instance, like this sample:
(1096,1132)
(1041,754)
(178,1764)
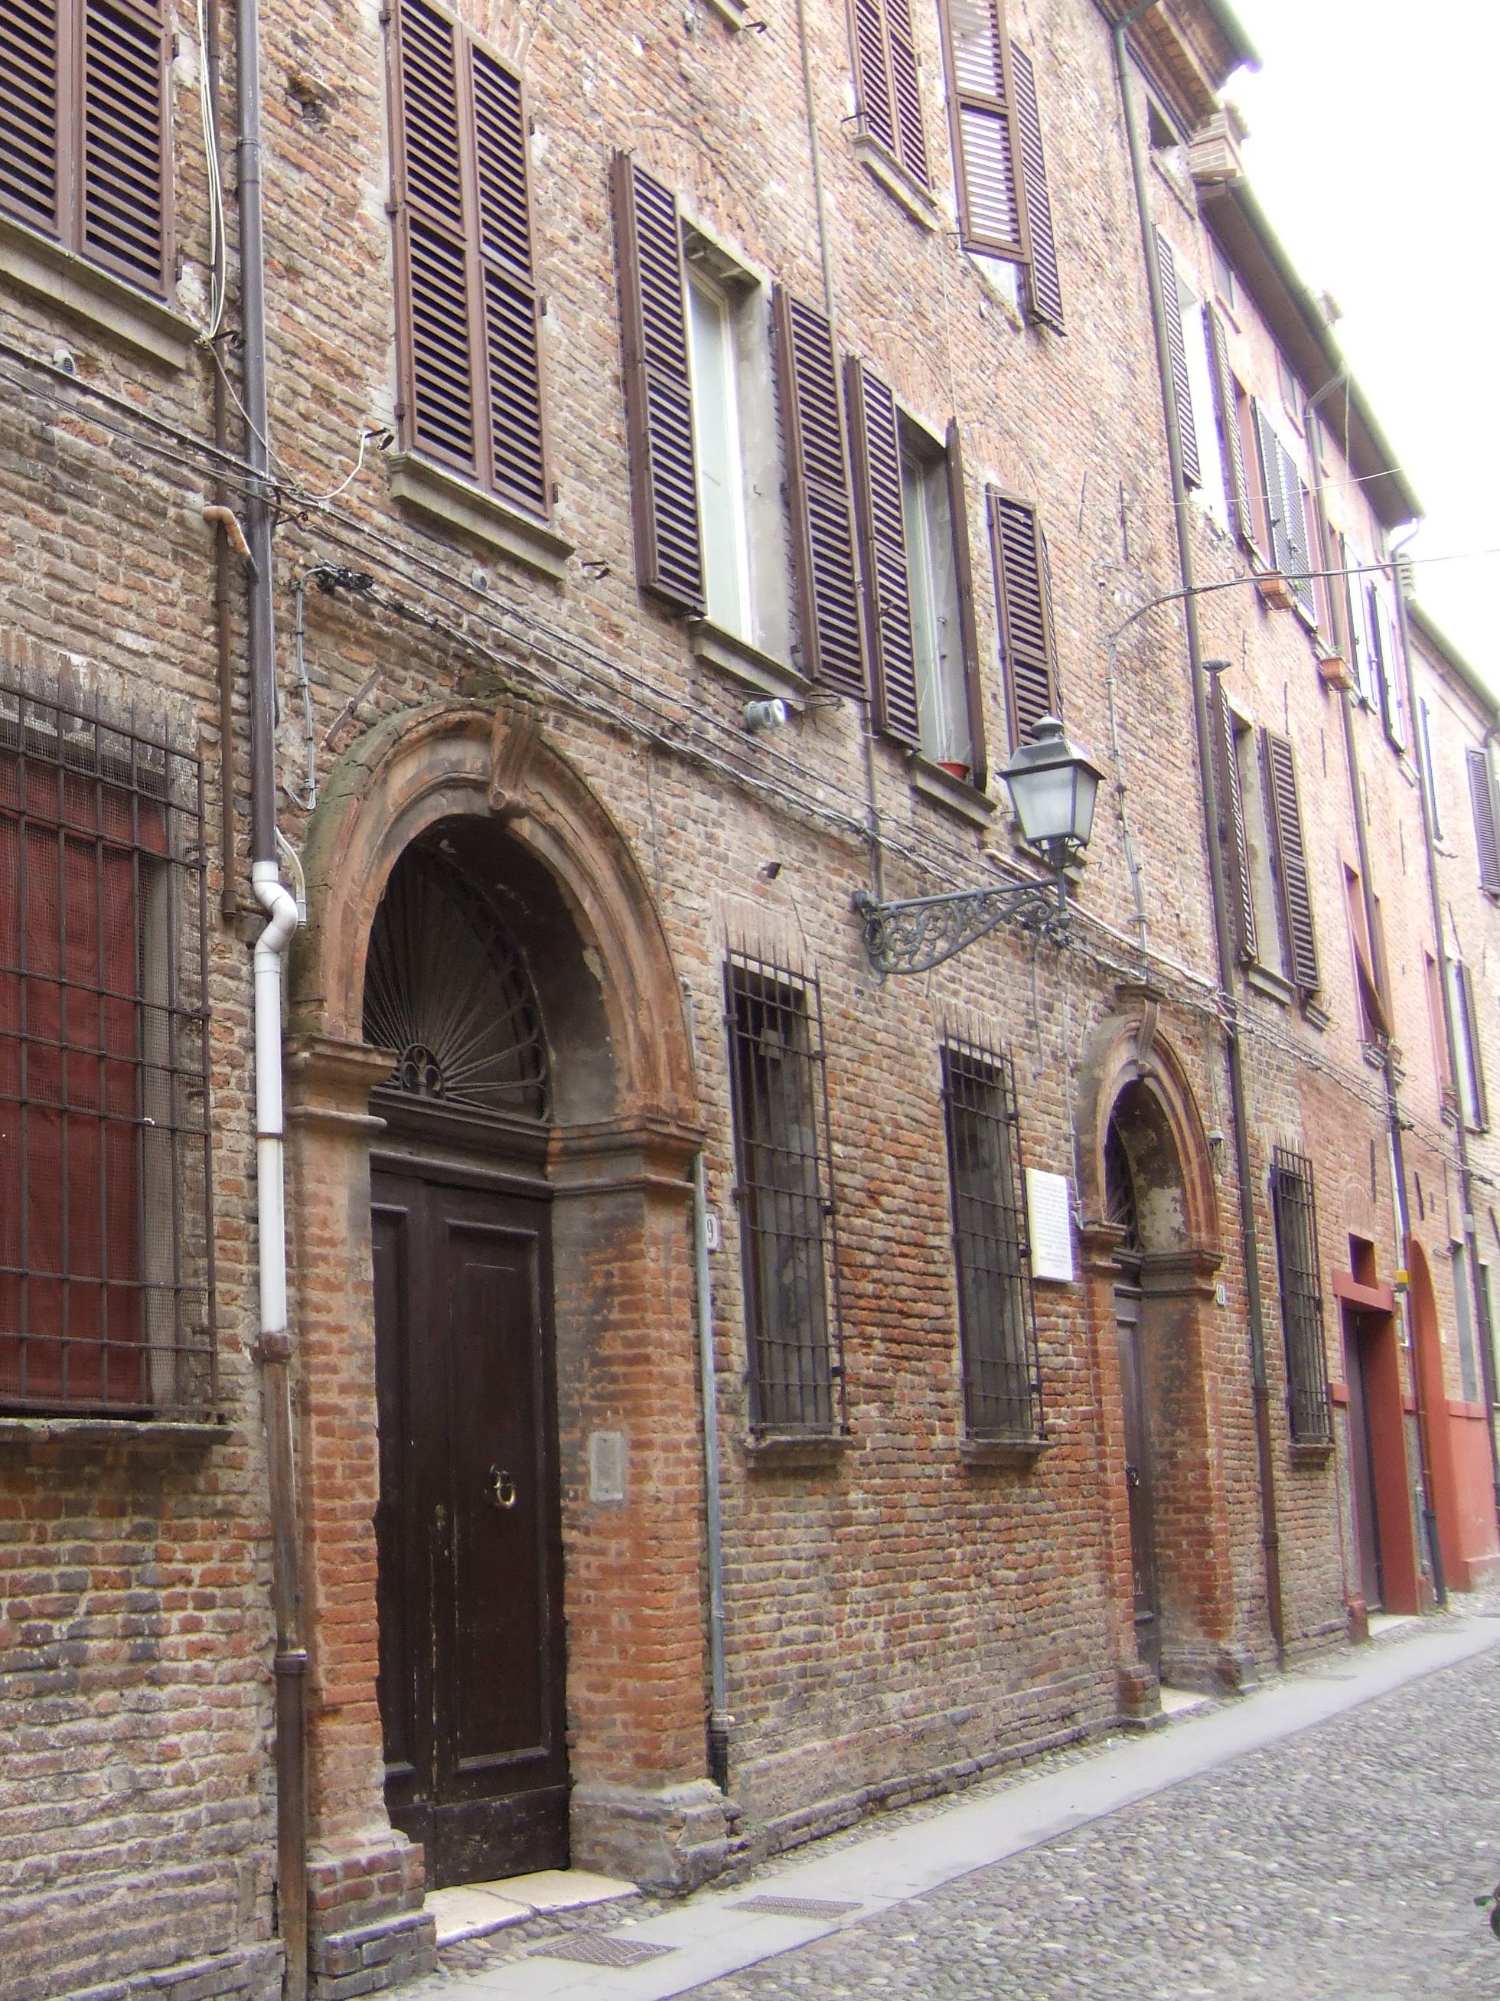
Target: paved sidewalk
(1322,1837)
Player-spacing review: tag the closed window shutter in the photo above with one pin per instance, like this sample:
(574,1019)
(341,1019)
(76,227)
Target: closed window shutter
(1232,833)
(439,402)
(890,97)
(658,392)
(977,54)
(1182,393)
(1285,819)
(124,193)
(875,450)
(1482,793)
(30,65)
(1043,289)
(1387,668)
(1023,593)
(968,624)
(819,493)
(1268,448)
(1237,487)
(511,306)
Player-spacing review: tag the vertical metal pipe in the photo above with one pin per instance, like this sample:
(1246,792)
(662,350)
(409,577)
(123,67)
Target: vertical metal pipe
(720,1722)
(1250,1250)
(223,634)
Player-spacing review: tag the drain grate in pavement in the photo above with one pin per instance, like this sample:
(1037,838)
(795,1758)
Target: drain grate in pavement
(796,1907)
(598,1949)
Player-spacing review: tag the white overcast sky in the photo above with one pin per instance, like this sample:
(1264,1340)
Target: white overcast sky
(1374,135)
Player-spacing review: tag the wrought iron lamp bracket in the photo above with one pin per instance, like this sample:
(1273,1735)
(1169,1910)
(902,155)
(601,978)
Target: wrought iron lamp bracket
(922,931)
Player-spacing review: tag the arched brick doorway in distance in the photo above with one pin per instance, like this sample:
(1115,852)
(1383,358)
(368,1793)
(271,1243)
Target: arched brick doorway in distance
(618,1160)
(1151,1251)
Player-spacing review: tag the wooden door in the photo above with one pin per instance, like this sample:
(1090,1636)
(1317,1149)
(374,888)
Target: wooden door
(467,1528)
(1138,1478)
(1362,1468)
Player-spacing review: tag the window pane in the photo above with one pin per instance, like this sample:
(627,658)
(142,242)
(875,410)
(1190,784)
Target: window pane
(937,634)
(721,477)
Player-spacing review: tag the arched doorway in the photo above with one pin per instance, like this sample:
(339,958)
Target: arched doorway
(1122,1213)
(468,1524)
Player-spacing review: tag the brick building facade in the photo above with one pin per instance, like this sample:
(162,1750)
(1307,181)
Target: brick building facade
(698,450)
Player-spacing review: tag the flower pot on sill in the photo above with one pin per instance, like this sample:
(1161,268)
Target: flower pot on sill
(953,769)
(1275,590)
(1335,673)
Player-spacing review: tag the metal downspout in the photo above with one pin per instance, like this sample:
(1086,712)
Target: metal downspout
(1484,1332)
(274,1348)
(720,1722)
(1250,1251)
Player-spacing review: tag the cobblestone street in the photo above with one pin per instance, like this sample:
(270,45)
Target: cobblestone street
(1324,1839)
(1342,1862)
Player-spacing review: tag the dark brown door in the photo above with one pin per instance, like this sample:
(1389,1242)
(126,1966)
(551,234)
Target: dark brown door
(1362,1466)
(1138,1478)
(467,1529)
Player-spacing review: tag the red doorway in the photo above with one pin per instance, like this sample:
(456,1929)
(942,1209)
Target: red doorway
(1384,1561)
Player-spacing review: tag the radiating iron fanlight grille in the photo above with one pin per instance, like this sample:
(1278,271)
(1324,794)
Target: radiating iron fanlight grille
(447,989)
(1121,1207)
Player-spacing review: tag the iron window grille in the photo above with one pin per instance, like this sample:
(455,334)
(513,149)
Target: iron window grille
(992,1255)
(788,1243)
(1296,1219)
(106,1239)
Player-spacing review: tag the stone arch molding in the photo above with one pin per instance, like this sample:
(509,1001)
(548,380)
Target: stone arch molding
(454,759)
(1130,1048)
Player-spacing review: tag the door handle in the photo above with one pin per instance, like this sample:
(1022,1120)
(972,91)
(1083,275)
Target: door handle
(499,1489)
(1132,1476)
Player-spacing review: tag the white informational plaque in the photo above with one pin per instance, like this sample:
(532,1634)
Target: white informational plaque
(1049,1209)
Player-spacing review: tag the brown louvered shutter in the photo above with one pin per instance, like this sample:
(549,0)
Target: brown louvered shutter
(1237,488)
(890,97)
(31,62)
(877,109)
(819,494)
(1482,794)
(1299,539)
(1023,595)
(1268,449)
(658,392)
(875,453)
(439,411)
(977,55)
(125,195)
(511,306)
(1043,289)
(911,140)
(1233,837)
(1285,820)
(1182,390)
(968,623)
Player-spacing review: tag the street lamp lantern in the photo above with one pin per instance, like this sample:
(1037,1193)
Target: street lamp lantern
(1052,789)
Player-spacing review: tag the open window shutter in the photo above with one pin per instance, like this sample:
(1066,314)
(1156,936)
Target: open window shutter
(968,624)
(1479,1100)
(1023,596)
(875,450)
(911,140)
(1043,290)
(877,110)
(31,67)
(1232,832)
(1237,489)
(1387,667)
(124,191)
(1482,793)
(658,391)
(439,411)
(1182,393)
(1390,642)
(1298,539)
(1268,449)
(1285,816)
(511,306)
(984,140)
(819,495)
(890,97)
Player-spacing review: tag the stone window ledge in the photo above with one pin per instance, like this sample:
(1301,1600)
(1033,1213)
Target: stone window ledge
(903,187)
(1263,981)
(778,1451)
(959,795)
(446,497)
(60,276)
(1311,1451)
(733,13)
(96,1430)
(745,663)
(1015,1453)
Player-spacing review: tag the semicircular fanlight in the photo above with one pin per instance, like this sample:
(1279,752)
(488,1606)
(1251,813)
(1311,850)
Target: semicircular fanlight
(446,988)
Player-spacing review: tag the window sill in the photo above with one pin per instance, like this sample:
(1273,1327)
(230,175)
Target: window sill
(959,795)
(733,13)
(1311,1451)
(63,278)
(454,501)
(96,1430)
(1019,1454)
(904,188)
(1262,980)
(777,1451)
(745,663)
(1318,1017)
